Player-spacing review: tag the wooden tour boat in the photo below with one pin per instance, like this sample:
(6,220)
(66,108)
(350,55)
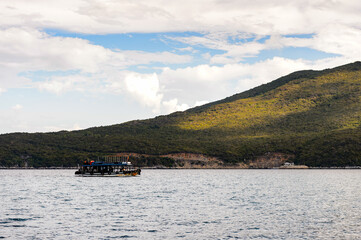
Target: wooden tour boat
(111,166)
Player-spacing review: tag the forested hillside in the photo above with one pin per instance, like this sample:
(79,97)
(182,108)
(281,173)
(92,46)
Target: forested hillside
(314,116)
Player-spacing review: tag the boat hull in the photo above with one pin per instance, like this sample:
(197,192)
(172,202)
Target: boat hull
(134,174)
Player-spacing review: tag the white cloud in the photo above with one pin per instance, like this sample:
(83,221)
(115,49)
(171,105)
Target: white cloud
(200,73)
(253,75)
(234,52)
(216,82)
(339,39)
(200,103)
(140,57)
(186,49)
(17,107)
(258,17)
(62,84)
(29,49)
(145,88)
(190,84)
(333,38)
(26,50)
(173,106)
(75,127)
(206,56)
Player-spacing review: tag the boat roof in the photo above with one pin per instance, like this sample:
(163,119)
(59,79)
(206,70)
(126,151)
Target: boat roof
(108,164)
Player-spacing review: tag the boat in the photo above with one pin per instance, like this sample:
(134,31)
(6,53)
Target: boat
(110,167)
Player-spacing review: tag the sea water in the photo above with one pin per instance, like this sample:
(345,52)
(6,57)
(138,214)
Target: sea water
(182,204)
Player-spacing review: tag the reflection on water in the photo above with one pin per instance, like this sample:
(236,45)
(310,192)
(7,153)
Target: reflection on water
(189,204)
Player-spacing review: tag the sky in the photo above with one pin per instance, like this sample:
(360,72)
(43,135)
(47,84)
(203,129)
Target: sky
(75,64)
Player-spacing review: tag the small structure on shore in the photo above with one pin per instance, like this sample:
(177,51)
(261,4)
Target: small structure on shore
(291,165)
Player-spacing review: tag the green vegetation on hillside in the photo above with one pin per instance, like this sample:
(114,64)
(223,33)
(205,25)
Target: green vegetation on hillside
(314,115)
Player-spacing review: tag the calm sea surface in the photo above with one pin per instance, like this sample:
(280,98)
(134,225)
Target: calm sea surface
(184,204)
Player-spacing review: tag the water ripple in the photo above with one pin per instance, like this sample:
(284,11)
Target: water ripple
(184,204)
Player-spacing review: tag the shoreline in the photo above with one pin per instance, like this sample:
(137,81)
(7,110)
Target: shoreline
(166,168)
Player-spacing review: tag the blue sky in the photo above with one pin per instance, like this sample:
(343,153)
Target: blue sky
(71,65)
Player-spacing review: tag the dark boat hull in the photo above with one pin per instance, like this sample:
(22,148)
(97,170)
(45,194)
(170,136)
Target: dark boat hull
(107,175)
(112,174)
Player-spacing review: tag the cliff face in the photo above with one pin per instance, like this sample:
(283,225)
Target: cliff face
(271,160)
(177,160)
(199,161)
(192,160)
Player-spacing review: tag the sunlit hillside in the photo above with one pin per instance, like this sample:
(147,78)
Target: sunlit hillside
(315,116)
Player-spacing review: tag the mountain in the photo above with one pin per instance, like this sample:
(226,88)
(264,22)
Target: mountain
(309,117)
